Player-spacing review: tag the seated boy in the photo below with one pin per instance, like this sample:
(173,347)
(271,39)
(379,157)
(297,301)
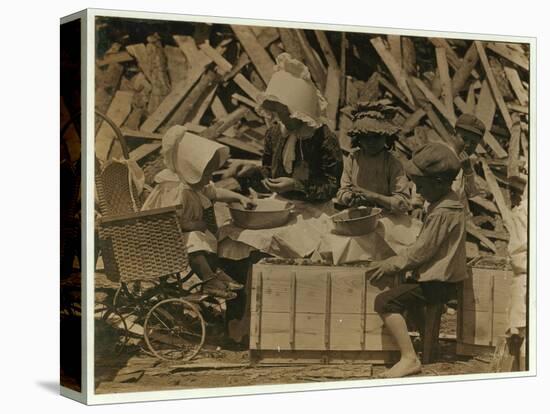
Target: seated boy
(437,258)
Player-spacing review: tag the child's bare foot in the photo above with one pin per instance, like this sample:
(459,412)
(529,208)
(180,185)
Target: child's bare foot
(231,283)
(403,368)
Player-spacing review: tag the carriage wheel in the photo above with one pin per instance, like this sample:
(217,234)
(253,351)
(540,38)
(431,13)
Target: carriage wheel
(174,329)
(130,302)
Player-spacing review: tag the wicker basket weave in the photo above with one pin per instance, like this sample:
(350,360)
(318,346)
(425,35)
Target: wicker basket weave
(143,246)
(115,192)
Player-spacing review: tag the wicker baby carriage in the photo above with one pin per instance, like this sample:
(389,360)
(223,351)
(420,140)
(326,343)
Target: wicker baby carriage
(144,252)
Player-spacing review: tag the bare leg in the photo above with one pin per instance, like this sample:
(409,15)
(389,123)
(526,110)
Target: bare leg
(409,363)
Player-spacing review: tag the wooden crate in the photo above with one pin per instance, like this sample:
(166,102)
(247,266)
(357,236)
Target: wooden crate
(482,310)
(315,314)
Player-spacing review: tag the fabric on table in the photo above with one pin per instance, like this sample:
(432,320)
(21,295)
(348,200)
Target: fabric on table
(399,230)
(297,239)
(346,249)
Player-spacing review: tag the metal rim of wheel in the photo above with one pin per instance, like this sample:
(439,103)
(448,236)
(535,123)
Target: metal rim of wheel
(187,355)
(135,306)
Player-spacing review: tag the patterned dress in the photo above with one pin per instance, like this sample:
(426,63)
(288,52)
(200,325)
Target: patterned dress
(317,166)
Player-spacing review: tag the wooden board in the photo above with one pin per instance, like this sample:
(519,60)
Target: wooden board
(394,68)
(321,308)
(494,86)
(139,52)
(118,111)
(514,147)
(394,42)
(326,48)
(282,357)
(256,52)
(453,58)
(408,56)
(445,81)
(107,83)
(517,87)
(483,304)
(443,110)
(178,66)
(188,47)
(226,68)
(118,57)
(485,111)
(186,109)
(291,44)
(204,104)
(497,194)
(332,94)
(508,53)
(464,71)
(312,60)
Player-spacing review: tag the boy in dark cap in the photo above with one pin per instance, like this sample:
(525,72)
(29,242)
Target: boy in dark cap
(471,130)
(437,258)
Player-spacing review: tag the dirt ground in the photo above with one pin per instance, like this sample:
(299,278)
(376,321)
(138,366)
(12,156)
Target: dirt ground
(133,370)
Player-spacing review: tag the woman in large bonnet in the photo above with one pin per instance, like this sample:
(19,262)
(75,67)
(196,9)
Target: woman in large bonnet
(302,158)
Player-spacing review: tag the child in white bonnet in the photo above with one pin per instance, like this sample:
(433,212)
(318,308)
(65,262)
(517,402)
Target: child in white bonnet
(190,161)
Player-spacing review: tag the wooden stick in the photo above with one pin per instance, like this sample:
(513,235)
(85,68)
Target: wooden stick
(515,82)
(445,79)
(453,58)
(513,148)
(463,72)
(291,44)
(316,68)
(256,52)
(394,41)
(434,101)
(118,57)
(139,52)
(494,87)
(332,94)
(118,111)
(408,58)
(327,50)
(512,55)
(497,194)
(393,67)
(395,91)
(485,111)
(226,68)
(202,89)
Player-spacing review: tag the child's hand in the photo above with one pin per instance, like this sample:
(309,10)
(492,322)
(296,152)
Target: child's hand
(280,184)
(465,162)
(247,203)
(379,269)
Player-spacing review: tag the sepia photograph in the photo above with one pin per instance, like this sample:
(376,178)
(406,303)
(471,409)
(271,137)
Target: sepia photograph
(280,205)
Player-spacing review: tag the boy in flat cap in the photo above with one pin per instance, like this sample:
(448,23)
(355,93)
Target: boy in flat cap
(471,130)
(438,257)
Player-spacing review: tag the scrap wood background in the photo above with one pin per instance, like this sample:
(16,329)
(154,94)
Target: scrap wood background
(151,75)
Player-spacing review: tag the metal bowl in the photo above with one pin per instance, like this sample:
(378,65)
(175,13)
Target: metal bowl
(267,214)
(356,221)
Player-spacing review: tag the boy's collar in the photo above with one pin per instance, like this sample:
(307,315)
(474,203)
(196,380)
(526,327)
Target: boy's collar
(449,200)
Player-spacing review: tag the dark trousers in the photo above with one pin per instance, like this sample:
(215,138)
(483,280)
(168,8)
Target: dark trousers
(410,295)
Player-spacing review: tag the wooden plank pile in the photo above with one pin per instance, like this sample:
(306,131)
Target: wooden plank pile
(210,81)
